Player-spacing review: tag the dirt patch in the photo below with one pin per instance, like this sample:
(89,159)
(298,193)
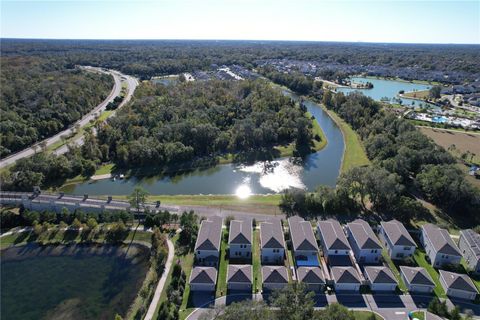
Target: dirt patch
(463,141)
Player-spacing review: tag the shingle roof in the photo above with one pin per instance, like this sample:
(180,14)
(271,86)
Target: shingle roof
(310,275)
(380,275)
(271,235)
(302,234)
(440,239)
(210,234)
(417,275)
(203,275)
(274,274)
(239,273)
(240,231)
(473,240)
(363,235)
(458,281)
(345,275)
(333,236)
(397,233)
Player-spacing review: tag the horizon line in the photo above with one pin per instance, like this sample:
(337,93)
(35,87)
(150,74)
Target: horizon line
(244,40)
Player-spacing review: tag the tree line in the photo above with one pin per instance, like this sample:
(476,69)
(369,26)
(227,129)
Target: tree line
(41,96)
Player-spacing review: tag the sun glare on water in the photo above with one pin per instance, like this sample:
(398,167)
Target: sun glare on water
(243,191)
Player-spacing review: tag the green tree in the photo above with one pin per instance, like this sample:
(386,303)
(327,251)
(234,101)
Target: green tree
(295,302)
(138,198)
(336,311)
(434,92)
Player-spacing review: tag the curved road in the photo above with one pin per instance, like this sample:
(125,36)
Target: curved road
(117,76)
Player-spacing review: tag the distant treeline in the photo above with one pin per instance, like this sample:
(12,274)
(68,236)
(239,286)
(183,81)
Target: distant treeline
(40,97)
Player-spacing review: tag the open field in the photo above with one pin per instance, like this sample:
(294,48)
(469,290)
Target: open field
(420,259)
(421,94)
(354,155)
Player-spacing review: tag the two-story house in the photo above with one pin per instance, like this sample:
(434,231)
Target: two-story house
(398,242)
(469,245)
(439,246)
(272,242)
(207,246)
(365,245)
(304,243)
(240,239)
(332,239)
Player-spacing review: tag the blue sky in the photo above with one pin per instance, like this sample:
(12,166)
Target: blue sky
(372,21)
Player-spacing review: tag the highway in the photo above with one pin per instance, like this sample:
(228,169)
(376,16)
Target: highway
(117,87)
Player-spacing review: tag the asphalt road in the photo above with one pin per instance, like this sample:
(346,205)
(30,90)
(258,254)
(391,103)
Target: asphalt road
(117,76)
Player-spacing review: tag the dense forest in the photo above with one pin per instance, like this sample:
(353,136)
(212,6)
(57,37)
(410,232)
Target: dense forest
(41,97)
(147,58)
(406,165)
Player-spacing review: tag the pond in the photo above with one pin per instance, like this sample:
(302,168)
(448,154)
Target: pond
(389,89)
(321,167)
(70,282)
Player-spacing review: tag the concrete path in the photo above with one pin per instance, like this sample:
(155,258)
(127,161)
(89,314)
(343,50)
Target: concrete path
(161,283)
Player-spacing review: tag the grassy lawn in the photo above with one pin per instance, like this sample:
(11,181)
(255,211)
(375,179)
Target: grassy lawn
(257,267)
(187,265)
(420,315)
(222,268)
(104,169)
(354,155)
(396,273)
(288,263)
(420,94)
(420,259)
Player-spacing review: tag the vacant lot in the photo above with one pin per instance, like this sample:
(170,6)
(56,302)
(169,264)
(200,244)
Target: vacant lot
(420,94)
(463,141)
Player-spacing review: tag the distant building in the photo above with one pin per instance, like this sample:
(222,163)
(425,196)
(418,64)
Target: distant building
(305,248)
(203,279)
(439,246)
(239,277)
(366,247)
(272,242)
(458,285)
(240,239)
(397,240)
(274,277)
(380,278)
(417,279)
(312,277)
(207,246)
(469,245)
(346,278)
(333,239)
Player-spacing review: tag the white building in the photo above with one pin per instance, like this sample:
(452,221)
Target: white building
(380,278)
(469,245)
(312,277)
(458,285)
(365,245)
(203,279)
(417,279)
(239,277)
(274,277)
(240,239)
(345,278)
(207,246)
(272,242)
(333,239)
(439,246)
(305,248)
(398,242)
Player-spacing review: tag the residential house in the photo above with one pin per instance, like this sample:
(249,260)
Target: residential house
(304,243)
(239,277)
(207,246)
(240,239)
(365,245)
(333,239)
(458,285)
(203,279)
(417,279)
(439,246)
(274,277)
(469,245)
(398,242)
(312,277)
(345,278)
(380,278)
(272,242)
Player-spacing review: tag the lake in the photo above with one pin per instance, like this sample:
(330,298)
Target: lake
(389,88)
(321,167)
(70,282)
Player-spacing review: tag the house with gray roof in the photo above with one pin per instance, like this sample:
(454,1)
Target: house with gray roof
(304,243)
(458,285)
(380,278)
(396,239)
(345,278)
(274,277)
(365,245)
(417,279)
(469,245)
(203,279)
(240,239)
(332,239)
(239,277)
(312,276)
(207,246)
(272,242)
(439,246)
